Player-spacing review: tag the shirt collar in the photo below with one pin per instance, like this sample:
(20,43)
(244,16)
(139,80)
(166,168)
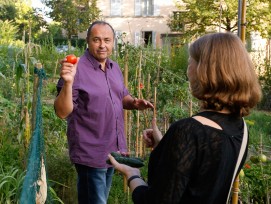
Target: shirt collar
(96,64)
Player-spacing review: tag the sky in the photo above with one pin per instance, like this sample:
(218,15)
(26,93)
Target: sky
(38,4)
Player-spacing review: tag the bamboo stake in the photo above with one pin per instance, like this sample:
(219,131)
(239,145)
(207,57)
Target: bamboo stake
(126,85)
(27,132)
(158,69)
(34,100)
(126,113)
(55,69)
(154,102)
(190,108)
(165,124)
(148,86)
(235,187)
(141,145)
(138,92)
(235,190)
(243,22)
(130,132)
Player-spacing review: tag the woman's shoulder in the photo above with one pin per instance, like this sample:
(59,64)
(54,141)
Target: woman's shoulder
(185,127)
(184,122)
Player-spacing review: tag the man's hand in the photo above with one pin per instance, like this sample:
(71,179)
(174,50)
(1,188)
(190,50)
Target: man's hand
(68,70)
(142,104)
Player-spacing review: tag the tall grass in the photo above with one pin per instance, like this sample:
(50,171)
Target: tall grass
(11,180)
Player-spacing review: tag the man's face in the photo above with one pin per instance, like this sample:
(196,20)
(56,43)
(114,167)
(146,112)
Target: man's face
(101,42)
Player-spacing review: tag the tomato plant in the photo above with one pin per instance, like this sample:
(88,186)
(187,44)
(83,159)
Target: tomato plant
(71,59)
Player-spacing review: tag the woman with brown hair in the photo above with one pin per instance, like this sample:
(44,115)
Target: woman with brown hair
(198,158)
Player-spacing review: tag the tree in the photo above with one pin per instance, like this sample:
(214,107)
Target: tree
(197,17)
(8,32)
(7,10)
(74,15)
(29,20)
(26,19)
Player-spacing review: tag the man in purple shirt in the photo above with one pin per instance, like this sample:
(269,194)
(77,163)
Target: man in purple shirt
(92,96)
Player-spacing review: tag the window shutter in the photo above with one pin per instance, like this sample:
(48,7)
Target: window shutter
(137,38)
(156,8)
(137,7)
(118,40)
(115,7)
(153,39)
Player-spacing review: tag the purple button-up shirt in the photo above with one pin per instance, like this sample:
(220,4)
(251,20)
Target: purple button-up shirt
(96,125)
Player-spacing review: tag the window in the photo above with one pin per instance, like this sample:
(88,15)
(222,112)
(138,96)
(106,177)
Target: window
(137,7)
(145,38)
(145,8)
(115,7)
(118,38)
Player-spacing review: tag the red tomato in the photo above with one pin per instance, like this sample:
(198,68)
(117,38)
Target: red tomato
(71,59)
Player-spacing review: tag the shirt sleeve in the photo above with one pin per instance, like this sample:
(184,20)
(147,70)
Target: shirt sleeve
(75,91)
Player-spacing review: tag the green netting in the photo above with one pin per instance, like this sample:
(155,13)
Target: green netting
(36,151)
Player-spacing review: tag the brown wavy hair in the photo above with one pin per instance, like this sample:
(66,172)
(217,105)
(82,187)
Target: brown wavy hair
(225,75)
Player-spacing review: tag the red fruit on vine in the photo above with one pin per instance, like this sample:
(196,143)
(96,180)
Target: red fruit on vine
(71,59)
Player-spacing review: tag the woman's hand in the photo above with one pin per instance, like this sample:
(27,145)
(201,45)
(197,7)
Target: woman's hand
(152,136)
(124,169)
(132,174)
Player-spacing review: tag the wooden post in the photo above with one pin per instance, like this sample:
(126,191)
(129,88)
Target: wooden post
(235,186)
(235,190)
(158,69)
(138,93)
(34,100)
(27,132)
(126,115)
(154,102)
(126,85)
(190,108)
(243,21)
(148,86)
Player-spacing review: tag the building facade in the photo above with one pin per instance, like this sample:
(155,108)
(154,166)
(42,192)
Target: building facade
(139,22)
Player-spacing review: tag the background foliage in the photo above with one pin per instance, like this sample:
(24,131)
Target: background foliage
(23,44)
(195,18)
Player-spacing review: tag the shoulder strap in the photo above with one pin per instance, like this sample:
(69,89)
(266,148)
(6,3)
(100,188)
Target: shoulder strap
(241,154)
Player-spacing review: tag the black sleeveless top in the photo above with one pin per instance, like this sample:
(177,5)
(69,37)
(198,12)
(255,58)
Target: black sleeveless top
(194,163)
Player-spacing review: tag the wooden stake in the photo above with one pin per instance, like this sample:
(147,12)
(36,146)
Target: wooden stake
(243,22)
(190,108)
(126,114)
(148,87)
(34,100)
(158,69)
(138,93)
(235,190)
(235,186)
(154,102)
